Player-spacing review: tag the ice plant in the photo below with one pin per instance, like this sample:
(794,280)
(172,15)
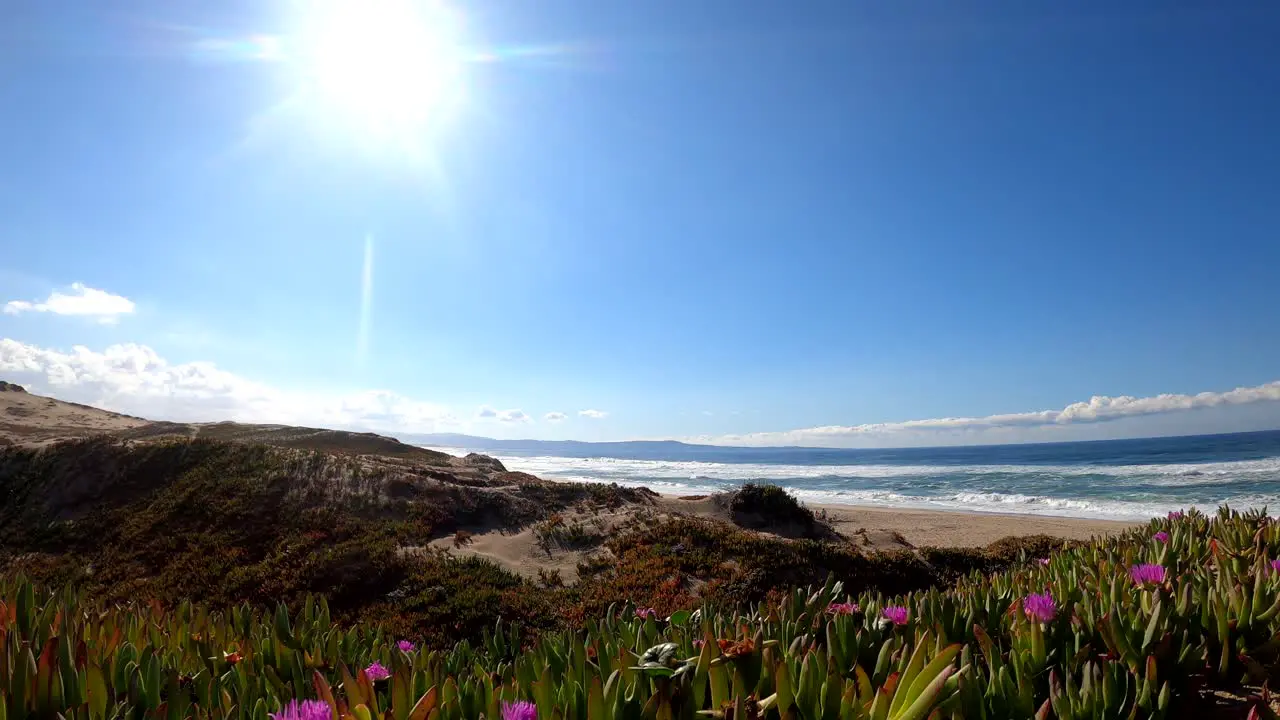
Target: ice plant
(1176,515)
(1147,574)
(1043,561)
(644,613)
(406,646)
(519,710)
(895,614)
(1162,537)
(1275,565)
(1040,607)
(377,671)
(733,649)
(305,710)
(845,608)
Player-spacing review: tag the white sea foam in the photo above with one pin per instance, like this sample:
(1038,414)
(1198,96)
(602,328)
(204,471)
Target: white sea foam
(1092,491)
(1186,473)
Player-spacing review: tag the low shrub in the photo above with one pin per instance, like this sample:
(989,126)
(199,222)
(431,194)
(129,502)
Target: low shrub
(578,534)
(769,507)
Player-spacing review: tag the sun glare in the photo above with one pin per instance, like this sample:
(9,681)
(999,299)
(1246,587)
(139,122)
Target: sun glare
(394,67)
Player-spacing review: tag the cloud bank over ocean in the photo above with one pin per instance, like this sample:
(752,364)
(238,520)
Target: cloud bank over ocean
(135,379)
(1097,409)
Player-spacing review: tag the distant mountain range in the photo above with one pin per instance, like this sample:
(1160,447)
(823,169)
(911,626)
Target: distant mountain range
(638,449)
(1229,447)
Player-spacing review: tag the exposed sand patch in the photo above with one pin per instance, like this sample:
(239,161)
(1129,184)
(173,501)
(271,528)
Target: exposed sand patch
(525,552)
(27,419)
(872,529)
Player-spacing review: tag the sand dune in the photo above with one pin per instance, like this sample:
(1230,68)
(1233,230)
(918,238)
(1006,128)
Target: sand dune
(29,419)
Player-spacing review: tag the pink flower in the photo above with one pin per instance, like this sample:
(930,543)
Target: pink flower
(895,614)
(1147,574)
(306,710)
(519,710)
(644,613)
(1176,515)
(1275,565)
(846,608)
(1043,561)
(406,646)
(1162,537)
(377,671)
(699,643)
(1040,606)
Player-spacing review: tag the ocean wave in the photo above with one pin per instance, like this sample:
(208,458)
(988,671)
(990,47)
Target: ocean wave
(1092,491)
(1188,473)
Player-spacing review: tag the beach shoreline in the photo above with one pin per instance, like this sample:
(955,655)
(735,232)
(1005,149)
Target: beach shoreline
(882,527)
(954,528)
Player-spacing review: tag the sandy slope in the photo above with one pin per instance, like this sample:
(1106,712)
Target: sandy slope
(34,420)
(29,419)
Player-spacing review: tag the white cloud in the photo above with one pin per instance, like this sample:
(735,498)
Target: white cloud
(134,379)
(506,416)
(593,414)
(1100,408)
(554,416)
(79,300)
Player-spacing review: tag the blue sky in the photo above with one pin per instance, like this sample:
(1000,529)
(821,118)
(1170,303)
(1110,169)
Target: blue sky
(714,219)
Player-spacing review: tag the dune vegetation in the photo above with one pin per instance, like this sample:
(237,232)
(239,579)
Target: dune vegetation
(1176,615)
(204,578)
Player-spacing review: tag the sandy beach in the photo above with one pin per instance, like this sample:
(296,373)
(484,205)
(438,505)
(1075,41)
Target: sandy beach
(885,528)
(958,529)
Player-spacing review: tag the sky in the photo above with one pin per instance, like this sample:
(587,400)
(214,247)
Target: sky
(834,223)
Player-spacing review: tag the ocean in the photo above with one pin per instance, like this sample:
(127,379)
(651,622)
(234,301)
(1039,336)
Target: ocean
(1113,479)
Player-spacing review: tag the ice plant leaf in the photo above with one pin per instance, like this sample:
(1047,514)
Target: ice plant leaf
(925,702)
(425,705)
(97,688)
(785,691)
(902,698)
(352,689)
(930,671)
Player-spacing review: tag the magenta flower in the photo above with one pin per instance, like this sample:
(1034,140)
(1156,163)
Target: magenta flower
(306,710)
(1176,515)
(406,646)
(846,608)
(1162,537)
(699,643)
(1040,606)
(895,614)
(377,671)
(644,613)
(519,710)
(1147,574)
(1275,565)
(1043,561)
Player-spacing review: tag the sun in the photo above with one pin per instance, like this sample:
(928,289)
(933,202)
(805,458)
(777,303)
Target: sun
(393,68)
